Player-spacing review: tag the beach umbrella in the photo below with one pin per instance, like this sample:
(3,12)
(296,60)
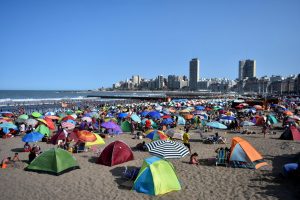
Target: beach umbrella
(175,134)
(110,119)
(24,117)
(154,115)
(288,113)
(272,119)
(43,130)
(74,116)
(69,112)
(50,123)
(31,122)
(199,107)
(42,120)
(216,125)
(167,121)
(32,137)
(6,114)
(109,125)
(144,113)
(247,123)
(88,119)
(51,117)
(71,121)
(85,136)
(122,115)
(68,117)
(166,116)
(4,121)
(136,118)
(188,116)
(181,120)
(8,125)
(49,113)
(36,114)
(156,135)
(258,107)
(227,118)
(68,125)
(295,117)
(167,149)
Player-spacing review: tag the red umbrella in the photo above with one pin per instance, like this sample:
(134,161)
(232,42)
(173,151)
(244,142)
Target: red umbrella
(51,117)
(50,123)
(68,117)
(166,116)
(86,136)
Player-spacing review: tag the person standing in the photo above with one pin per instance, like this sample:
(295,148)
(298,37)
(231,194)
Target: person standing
(186,139)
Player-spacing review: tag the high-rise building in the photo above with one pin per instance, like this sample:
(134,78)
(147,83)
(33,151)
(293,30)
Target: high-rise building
(247,69)
(194,73)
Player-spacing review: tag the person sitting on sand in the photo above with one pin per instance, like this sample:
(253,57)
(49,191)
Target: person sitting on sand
(141,146)
(5,162)
(16,157)
(27,147)
(193,159)
(31,156)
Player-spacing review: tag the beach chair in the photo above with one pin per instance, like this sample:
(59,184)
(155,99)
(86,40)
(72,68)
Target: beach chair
(222,157)
(131,174)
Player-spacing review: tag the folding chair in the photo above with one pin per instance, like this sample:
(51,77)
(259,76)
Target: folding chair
(222,157)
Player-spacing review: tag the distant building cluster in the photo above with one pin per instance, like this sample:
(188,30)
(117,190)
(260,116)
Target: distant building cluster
(247,82)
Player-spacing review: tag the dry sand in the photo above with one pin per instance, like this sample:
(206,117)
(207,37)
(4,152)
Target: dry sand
(205,181)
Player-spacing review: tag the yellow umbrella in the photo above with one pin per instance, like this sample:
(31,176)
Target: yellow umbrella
(98,141)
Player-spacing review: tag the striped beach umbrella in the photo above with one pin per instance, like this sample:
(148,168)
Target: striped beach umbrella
(167,149)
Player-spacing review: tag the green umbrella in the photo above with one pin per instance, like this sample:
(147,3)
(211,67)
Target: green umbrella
(54,161)
(23,117)
(36,114)
(272,119)
(69,112)
(43,130)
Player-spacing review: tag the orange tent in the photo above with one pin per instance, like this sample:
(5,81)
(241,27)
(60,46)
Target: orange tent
(244,155)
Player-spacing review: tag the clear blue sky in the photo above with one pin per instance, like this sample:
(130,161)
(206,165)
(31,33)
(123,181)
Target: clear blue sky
(60,44)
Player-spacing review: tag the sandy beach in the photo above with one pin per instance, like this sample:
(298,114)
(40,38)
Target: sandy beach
(205,181)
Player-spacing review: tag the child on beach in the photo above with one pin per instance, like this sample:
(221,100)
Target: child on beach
(193,159)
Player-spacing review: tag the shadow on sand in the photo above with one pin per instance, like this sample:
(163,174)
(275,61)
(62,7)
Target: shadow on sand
(123,183)
(279,187)
(18,150)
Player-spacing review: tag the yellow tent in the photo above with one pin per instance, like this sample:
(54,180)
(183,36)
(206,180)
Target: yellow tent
(98,141)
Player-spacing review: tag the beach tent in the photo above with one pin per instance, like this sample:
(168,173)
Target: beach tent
(156,176)
(291,133)
(181,120)
(98,141)
(115,153)
(244,155)
(126,126)
(54,161)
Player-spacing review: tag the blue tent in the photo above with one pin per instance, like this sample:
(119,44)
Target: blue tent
(156,176)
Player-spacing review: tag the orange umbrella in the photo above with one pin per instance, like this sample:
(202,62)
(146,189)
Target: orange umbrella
(86,136)
(52,117)
(258,107)
(50,123)
(288,113)
(188,116)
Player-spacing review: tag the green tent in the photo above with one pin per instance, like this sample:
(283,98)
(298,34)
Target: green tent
(126,126)
(156,177)
(54,161)
(43,130)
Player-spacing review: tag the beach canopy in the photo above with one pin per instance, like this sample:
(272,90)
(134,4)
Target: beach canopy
(43,129)
(32,137)
(115,153)
(156,135)
(216,125)
(167,149)
(156,176)
(291,133)
(98,141)
(244,155)
(126,126)
(54,161)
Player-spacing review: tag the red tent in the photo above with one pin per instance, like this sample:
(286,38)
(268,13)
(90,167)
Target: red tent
(115,153)
(295,133)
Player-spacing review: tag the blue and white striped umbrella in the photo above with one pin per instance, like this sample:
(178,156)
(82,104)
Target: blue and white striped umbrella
(167,149)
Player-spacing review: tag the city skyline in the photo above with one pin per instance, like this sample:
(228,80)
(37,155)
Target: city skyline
(85,45)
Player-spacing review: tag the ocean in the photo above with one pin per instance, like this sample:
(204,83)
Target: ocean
(42,100)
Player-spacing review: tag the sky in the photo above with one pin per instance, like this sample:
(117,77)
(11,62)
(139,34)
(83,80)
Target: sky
(76,44)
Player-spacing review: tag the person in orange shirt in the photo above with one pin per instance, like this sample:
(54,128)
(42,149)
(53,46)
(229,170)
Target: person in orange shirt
(5,162)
